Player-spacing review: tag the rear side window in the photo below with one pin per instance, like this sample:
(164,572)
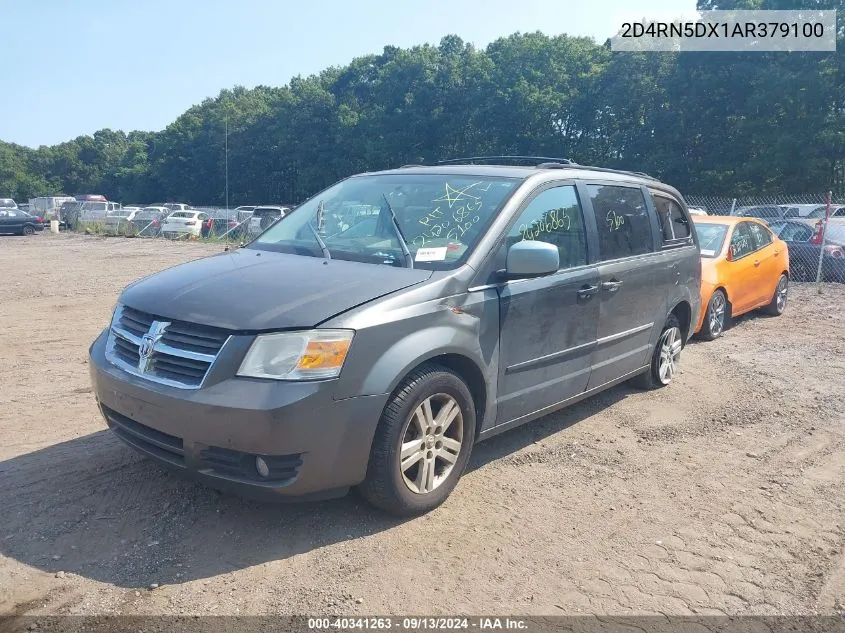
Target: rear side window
(795,233)
(674,225)
(554,216)
(624,228)
(762,237)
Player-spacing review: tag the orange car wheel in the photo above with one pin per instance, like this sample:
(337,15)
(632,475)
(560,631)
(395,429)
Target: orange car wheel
(778,304)
(716,317)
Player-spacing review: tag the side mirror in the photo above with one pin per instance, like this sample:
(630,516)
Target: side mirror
(530,258)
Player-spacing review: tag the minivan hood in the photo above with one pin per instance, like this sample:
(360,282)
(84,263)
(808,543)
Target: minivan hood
(260,290)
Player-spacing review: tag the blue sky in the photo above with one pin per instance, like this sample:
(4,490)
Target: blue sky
(71,67)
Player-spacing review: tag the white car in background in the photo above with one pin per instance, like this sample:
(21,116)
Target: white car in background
(97,210)
(264,217)
(119,221)
(183,224)
(697,211)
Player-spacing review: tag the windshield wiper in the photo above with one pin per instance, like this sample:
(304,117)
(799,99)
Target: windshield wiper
(325,249)
(403,244)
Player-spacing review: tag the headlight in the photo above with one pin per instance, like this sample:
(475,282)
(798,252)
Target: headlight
(297,355)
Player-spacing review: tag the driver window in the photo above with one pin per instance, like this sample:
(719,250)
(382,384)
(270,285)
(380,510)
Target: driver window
(742,241)
(554,216)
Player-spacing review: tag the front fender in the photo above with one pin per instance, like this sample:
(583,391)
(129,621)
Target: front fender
(385,352)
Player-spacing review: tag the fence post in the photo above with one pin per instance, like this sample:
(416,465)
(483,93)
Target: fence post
(733,206)
(824,238)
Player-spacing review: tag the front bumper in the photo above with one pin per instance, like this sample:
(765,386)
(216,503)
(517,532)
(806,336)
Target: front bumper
(315,446)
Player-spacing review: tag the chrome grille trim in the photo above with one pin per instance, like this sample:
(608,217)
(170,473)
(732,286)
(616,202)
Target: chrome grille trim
(163,363)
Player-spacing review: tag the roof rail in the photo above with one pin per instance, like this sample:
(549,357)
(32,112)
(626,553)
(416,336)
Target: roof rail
(411,165)
(544,162)
(639,174)
(534,159)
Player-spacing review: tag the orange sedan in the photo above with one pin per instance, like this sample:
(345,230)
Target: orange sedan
(744,266)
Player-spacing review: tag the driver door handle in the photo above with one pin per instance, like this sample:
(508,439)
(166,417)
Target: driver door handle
(611,286)
(756,262)
(585,292)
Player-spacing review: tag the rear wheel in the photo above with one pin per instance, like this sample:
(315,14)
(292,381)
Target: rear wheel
(778,304)
(666,357)
(716,316)
(28,230)
(422,444)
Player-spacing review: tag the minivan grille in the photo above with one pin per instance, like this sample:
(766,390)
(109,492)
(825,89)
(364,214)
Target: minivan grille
(177,353)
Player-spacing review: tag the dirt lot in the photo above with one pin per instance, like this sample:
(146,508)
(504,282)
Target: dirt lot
(724,493)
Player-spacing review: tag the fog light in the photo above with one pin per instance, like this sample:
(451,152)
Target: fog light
(262,467)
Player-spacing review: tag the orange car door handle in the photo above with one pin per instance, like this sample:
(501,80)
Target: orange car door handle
(756,262)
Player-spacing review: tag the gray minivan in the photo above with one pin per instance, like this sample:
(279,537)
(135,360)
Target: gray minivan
(455,301)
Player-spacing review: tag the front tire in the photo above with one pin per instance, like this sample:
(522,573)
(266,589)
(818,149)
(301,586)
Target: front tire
(716,317)
(778,303)
(422,444)
(665,359)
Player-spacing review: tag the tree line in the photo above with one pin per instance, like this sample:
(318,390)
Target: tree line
(707,123)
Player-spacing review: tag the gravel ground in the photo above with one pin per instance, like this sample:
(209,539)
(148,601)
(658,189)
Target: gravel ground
(722,494)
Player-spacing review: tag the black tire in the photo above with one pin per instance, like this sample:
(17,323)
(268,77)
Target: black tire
(385,485)
(717,317)
(27,230)
(653,379)
(778,302)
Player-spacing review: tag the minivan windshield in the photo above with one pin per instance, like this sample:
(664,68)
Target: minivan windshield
(439,218)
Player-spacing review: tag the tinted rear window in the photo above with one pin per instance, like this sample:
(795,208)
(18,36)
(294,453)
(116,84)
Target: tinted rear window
(623,223)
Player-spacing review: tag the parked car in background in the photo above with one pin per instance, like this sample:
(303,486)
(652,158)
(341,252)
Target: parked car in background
(244,212)
(15,221)
(48,207)
(119,221)
(804,238)
(744,267)
(264,217)
(147,221)
(69,214)
(767,213)
(25,208)
(222,223)
(812,210)
(697,211)
(96,211)
(177,206)
(183,224)
(8,203)
(302,365)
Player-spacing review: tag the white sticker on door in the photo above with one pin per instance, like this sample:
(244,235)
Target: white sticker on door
(431,254)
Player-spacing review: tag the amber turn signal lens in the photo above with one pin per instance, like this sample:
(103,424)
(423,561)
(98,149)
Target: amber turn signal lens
(324,354)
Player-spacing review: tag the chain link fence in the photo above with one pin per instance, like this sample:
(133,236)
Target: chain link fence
(208,224)
(816,244)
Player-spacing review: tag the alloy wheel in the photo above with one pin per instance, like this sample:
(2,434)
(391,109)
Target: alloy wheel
(670,353)
(782,291)
(431,443)
(717,314)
